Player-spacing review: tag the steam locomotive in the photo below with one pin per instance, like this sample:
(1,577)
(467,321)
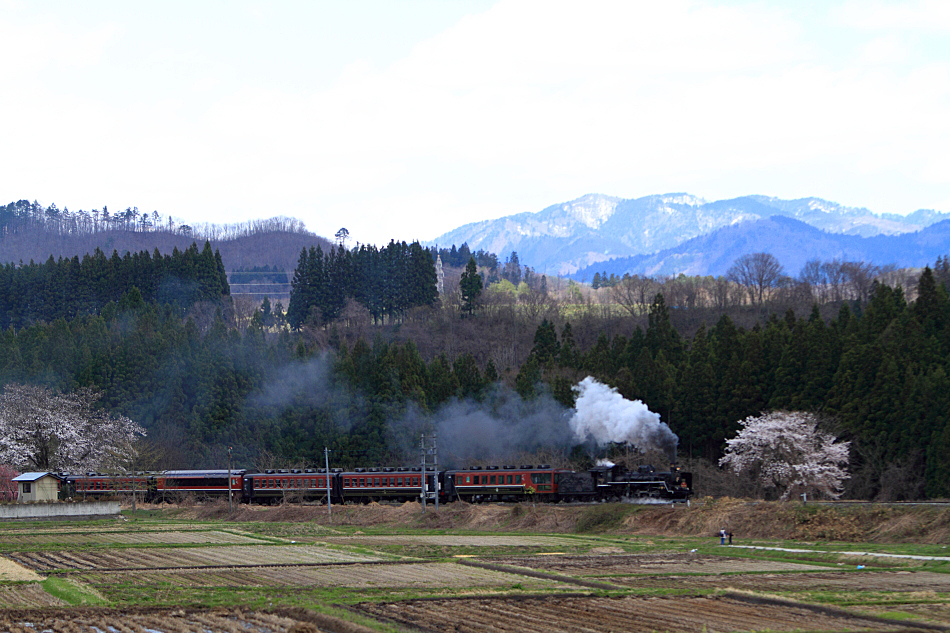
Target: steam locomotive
(363,485)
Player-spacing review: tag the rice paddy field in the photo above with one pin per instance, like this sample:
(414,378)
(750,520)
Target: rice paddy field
(181,570)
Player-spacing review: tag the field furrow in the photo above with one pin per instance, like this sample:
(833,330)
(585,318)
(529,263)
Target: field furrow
(393,575)
(591,614)
(172,557)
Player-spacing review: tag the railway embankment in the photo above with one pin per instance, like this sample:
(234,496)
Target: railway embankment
(747,519)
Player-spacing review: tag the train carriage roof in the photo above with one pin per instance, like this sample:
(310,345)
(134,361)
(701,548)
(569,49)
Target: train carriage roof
(181,474)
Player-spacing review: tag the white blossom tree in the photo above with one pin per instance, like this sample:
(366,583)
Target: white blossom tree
(43,430)
(786,451)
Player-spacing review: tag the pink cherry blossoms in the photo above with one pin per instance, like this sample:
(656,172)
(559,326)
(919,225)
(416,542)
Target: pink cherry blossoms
(786,451)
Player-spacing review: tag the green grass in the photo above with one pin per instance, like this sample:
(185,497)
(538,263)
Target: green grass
(71,592)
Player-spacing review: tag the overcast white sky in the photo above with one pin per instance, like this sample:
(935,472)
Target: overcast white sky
(404,119)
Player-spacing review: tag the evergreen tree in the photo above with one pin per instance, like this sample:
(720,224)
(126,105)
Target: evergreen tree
(546,347)
(471,287)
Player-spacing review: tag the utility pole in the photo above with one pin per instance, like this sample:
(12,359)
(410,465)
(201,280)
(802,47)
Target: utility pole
(230,507)
(133,481)
(430,457)
(326,459)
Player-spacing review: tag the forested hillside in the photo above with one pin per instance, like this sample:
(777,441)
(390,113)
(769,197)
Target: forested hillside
(31,232)
(370,355)
(68,288)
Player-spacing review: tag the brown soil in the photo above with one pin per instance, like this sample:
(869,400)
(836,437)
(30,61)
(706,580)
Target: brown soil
(436,576)
(140,620)
(586,613)
(705,517)
(173,557)
(29,595)
(639,564)
(906,586)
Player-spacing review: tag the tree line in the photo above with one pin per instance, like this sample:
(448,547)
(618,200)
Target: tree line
(387,281)
(25,216)
(67,288)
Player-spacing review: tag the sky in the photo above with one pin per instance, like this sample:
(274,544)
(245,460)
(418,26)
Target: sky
(404,119)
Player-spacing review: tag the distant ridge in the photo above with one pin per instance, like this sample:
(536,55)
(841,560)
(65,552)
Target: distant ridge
(791,241)
(571,236)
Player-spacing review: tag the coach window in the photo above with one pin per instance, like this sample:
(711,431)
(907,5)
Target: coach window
(362,482)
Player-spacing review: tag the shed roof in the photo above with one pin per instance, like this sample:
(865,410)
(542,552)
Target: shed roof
(34,476)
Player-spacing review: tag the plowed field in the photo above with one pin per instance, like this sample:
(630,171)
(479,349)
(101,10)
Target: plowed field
(175,557)
(632,564)
(883,581)
(393,575)
(97,621)
(31,595)
(453,541)
(130,538)
(587,614)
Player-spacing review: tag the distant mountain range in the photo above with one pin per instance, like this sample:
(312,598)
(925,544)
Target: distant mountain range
(667,234)
(791,241)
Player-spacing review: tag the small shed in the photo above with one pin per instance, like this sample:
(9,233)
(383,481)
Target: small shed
(38,487)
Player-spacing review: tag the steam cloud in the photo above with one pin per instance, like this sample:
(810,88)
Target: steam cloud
(603,415)
(500,428)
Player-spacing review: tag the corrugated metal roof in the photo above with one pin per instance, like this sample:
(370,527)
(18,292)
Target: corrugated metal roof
(34,476)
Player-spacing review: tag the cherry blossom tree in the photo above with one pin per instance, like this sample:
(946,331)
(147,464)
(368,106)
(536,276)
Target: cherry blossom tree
(785,450)
(44,430)
(8,489)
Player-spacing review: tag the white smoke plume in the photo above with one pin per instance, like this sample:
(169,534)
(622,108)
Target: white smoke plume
(603,415)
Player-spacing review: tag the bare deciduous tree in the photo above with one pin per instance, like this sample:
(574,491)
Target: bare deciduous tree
(759,273)
(814,275)
(859,277)
(633,293)
(834,277)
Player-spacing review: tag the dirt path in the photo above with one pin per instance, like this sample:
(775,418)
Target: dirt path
(821,551)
